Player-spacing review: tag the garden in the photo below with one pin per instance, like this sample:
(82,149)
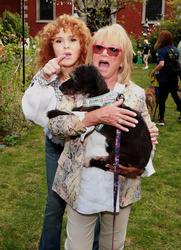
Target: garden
(13,124)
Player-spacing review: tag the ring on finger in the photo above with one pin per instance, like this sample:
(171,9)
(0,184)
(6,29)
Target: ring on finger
(120,121)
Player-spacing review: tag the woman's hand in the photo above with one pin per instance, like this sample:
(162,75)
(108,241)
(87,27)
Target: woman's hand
(111,115)
(129,172)
(158,67)
(152,73)
(153,133)
(52,67)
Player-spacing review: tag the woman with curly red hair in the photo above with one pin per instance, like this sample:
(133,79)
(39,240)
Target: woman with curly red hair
(62,46)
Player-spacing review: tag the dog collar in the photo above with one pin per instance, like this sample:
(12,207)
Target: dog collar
(101,101)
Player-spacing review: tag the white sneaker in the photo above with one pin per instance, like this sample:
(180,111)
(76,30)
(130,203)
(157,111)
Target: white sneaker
(145,67)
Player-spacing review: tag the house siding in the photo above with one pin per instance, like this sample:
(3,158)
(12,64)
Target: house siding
(10,5)
(131,18)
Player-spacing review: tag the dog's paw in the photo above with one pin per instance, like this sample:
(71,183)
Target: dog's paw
(99,162)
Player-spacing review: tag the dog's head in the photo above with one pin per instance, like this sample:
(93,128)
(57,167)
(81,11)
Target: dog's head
(86,80)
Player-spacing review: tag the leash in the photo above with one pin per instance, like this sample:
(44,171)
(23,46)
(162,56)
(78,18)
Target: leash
(116,174)
(116,168)
(87,102)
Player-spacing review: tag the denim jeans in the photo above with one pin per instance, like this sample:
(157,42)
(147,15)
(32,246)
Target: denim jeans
(55,207)
(96,235)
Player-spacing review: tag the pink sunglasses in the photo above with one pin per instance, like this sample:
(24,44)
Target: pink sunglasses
(112,51)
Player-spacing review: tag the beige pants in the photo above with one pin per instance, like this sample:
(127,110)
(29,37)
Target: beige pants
(80,230)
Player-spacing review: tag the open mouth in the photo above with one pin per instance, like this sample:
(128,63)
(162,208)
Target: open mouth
(103,65)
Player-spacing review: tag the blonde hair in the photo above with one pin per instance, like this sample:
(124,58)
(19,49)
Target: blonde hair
(119,36)
(146,41)
(78,28)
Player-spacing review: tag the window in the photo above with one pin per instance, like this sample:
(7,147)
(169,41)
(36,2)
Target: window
(153,10)
(45,10)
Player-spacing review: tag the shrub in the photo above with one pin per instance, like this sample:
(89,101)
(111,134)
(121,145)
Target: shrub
(12,121)
(11,24)
(174,26)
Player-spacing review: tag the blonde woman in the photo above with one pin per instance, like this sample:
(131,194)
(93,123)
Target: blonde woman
(89,191)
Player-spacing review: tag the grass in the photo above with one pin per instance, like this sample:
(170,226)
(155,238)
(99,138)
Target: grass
(154,222)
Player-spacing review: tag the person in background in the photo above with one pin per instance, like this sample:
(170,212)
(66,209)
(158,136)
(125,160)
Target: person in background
(146,53)
(139,59)
(89,190)
(63,46)
(167,84)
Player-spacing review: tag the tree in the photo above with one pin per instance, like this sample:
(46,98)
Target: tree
(173,24)
(98,13)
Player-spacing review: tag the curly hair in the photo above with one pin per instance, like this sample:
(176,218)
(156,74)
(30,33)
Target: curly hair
(78,28)
(165,39)
(117,34)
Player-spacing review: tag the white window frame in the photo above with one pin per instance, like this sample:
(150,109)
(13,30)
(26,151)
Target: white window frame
(144,13)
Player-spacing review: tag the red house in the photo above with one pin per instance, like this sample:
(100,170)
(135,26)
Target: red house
(39,12)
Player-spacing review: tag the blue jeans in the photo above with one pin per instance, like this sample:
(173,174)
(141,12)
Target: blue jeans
(96,235)
(55,207)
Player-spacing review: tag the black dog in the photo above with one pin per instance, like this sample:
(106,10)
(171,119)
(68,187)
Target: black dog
(135,146)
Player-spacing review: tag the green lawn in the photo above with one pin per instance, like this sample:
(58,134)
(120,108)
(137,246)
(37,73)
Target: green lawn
(154,221)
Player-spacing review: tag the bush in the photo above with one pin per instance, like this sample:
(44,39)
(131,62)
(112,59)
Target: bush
(173,22)
(11,28)
(12,121)
(174,26)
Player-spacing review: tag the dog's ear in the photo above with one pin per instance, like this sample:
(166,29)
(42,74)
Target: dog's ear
(95,82)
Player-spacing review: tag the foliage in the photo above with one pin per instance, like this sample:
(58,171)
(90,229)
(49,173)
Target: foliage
(10,140)
(175,8)
(11,28)
(174,26)
(12,121)
(172,22)
(100,13)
